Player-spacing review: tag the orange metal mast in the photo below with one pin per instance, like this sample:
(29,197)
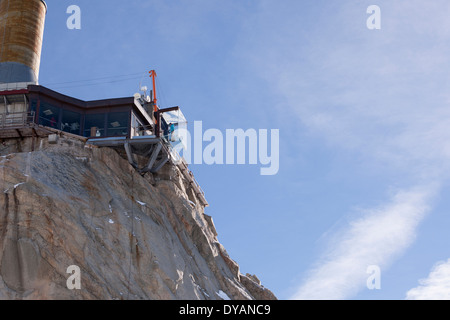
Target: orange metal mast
(153,76)
(156,113)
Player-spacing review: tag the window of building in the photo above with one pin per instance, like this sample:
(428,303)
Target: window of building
(94,125)
(49,115)
(137,129)
(71,122)
(33,108)
(118,123)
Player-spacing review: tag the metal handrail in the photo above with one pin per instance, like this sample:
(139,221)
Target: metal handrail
(143,129)
(16,119)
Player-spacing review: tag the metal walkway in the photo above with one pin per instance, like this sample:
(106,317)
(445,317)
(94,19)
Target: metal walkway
(20,125)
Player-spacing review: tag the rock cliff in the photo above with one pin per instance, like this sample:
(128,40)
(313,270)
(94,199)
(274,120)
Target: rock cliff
(132,236)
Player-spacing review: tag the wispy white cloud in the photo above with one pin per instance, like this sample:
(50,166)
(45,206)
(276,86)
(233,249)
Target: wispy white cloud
(381,95)
(376,238)
(435,287)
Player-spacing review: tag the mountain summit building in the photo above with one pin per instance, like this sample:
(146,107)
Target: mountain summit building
(135,126)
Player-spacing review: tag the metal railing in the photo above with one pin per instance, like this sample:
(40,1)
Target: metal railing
(142,130)
(16,119)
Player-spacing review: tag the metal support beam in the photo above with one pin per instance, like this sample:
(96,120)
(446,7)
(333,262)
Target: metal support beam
(153,157)
(160,164)
(152,147)
(33,140)
(130,155)
(150,150)
(5,101)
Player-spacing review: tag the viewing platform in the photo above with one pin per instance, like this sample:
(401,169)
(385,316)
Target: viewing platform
(133,126)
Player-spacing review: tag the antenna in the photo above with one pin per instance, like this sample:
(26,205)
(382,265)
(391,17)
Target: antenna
(144,89)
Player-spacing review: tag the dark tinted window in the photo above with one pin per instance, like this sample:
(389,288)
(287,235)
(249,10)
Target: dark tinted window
(49,115)
(118,123)
(94,125)
(71,122)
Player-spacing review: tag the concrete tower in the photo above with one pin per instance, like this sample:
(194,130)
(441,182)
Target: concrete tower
(21,35)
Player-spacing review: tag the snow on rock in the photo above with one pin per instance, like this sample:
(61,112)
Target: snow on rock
(223,295)
(18,184)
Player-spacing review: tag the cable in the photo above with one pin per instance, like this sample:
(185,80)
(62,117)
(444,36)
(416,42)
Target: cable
(94,79)
(162,96)
(95,84)
(132,232)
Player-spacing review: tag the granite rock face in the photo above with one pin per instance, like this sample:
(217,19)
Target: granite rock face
(132,237)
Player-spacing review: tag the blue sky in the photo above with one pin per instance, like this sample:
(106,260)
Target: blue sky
(363,118)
